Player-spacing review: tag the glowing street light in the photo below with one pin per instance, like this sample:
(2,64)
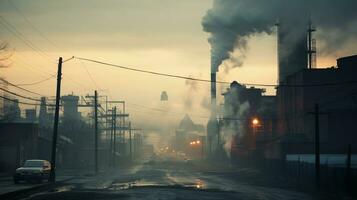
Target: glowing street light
(255,122)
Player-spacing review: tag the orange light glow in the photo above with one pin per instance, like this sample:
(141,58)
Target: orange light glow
(255,122)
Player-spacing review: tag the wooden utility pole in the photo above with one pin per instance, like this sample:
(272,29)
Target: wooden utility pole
(55,124)
(317,114)
(111,139)
(96,131)
(130,143)
(114,135)
(317,145)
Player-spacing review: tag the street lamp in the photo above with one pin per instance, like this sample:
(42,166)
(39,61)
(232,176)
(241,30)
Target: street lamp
(255,122)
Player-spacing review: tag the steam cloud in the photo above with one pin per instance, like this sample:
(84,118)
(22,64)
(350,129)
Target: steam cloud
(231,22)
(191,91)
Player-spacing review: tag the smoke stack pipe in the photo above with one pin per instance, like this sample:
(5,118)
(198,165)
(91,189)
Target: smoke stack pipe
(213,95)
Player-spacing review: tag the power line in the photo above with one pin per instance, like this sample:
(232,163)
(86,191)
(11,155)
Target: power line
(20,102)
(220,82)
(46,38)
(89,74)
(20,36)
(35,83)
(23,64)
(19,95)
(149,72)
(18,87)
(31,24)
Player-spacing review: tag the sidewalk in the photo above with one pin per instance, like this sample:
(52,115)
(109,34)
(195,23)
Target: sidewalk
(7,184)
(8,187)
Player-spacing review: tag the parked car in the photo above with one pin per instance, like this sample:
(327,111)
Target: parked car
(33,170)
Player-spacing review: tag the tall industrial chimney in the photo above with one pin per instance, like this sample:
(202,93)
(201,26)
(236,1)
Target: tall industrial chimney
(212,126)
(213,95)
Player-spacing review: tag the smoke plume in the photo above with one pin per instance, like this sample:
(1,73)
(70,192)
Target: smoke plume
(192,88)
(232,22)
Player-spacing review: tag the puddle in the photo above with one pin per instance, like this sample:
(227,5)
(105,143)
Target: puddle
(141,183)
(63,188)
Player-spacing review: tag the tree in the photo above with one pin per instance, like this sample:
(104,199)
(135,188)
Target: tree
(4,55)
(4,62)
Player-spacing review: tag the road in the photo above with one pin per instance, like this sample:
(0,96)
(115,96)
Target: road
(163,181)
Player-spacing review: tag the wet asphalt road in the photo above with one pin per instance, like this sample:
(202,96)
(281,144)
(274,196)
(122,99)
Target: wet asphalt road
(153,182)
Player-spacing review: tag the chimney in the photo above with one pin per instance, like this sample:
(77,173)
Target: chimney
(213,95)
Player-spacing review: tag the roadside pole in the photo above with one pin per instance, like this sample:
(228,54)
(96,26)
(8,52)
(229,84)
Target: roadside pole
(96,131)
(130,144)
(114,135)
(55,125)
(317,146)
(317,114)
(111,139)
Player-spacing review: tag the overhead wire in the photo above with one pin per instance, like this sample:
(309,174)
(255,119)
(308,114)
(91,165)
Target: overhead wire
(206,80)
(29,43)
(37,82)
(31,24)
(20,102)
(19,95)
(12,29)
(21,88)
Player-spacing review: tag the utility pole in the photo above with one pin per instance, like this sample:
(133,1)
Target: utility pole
(114,135)
(55,125)
(96,131)
(111,139)
(317,145)
(131,153)
(317,114)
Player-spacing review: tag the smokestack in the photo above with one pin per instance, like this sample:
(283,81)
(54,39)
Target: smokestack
(213,95)
(212,125)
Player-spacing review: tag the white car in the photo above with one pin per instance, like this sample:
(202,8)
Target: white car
(37,170)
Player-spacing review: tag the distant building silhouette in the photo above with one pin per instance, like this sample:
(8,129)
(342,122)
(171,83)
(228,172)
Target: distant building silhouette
(164,96)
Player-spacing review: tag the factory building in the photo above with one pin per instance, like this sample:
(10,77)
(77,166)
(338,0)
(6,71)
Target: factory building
(249,117)
(334,91)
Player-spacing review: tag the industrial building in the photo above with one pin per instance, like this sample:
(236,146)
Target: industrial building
(272,127)
(249,117)
(334,91)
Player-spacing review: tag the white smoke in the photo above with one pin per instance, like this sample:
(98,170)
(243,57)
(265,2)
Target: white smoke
(235,127)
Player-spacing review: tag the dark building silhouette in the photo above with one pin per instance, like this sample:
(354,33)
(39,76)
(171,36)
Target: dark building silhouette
(164,96)
(242,105)
(338,101)
(18,143)
(30,115)
(11,110)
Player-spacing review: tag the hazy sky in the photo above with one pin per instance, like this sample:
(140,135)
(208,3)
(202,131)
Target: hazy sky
(158,35)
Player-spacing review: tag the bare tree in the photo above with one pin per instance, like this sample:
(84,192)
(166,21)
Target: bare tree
(4,55)
(4,62)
